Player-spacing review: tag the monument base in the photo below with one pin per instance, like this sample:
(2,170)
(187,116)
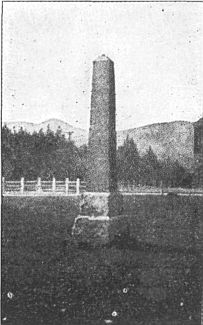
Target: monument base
(99,230)
(99,220)
(101,204)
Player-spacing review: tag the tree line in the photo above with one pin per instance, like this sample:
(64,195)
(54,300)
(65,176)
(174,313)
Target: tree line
(49,154)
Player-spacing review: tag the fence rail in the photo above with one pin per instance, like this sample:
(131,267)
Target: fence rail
(39,186)
(67,187)
(130,188)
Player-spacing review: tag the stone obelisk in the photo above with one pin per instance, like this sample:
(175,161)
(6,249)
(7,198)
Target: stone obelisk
(101,204)
(101,174)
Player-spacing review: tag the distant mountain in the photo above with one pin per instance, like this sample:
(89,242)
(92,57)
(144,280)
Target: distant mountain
(173,139)
(80,136)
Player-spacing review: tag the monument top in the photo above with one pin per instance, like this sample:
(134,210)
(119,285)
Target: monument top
(103,57)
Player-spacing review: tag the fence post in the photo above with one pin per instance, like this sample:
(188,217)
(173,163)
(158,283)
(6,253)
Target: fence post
(78,186)
(121,186)
(3,185)
(22,185)
(39,188)
(67,185)
(54,184)
(128,187)
(161,185)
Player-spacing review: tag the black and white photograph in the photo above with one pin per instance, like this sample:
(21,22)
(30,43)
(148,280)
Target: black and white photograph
(102,162)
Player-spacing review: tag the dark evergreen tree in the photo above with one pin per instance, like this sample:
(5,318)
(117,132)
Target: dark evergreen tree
(8,153)
(128,162)
(150,169)
(48,154)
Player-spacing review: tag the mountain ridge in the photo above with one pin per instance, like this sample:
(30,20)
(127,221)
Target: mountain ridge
(157,123)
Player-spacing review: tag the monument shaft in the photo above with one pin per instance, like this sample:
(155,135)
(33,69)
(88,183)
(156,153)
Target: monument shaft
(101,175)
(101,205)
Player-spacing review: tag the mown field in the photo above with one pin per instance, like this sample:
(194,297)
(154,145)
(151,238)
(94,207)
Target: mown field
(48,279)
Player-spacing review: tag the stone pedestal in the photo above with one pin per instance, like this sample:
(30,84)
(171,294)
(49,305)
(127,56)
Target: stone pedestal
(99,218)
(98,231)
(101,204)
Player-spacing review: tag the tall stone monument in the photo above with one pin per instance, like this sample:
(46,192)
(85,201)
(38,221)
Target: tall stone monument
(101,175)
(101,205)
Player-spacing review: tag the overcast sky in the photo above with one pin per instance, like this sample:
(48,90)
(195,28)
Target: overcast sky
(48,49)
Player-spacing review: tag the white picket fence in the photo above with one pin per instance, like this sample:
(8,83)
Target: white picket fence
(40,187)
(67,187)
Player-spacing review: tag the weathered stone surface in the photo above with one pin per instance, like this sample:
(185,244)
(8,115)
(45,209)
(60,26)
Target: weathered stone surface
(97,231)
(101,204)
(101,173)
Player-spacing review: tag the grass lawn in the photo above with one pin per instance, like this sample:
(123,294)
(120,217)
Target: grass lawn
(48,279)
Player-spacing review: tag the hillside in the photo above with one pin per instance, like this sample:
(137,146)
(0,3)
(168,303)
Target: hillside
(78,135)
(173,139)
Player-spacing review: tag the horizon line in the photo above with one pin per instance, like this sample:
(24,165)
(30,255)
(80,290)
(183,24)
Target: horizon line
(86,129)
